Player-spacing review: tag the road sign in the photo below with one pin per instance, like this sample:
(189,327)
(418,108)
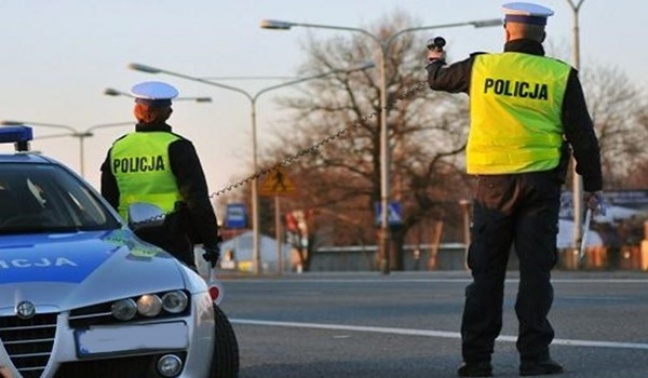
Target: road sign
(235,217)
(394,214)
(276,183)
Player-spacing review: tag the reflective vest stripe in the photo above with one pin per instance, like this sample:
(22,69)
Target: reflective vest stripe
(513,159)
(514,141)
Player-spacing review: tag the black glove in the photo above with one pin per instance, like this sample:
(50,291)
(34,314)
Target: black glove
(211,255)
(595,202)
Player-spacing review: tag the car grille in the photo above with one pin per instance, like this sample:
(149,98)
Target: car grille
(127,367)
(124,367)
(29,342)
(91,315)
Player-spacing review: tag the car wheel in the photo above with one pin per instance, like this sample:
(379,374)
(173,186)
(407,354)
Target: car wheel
(225,358)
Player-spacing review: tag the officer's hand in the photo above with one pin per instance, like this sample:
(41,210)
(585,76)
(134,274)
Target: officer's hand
(211,255)
(595,202)
(436,54)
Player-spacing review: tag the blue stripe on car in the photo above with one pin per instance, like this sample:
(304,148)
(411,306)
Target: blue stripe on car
(50,262)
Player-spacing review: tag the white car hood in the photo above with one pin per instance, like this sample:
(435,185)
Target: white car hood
(58,272)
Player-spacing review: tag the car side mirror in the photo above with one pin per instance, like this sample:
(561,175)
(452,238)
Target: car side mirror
(145,215)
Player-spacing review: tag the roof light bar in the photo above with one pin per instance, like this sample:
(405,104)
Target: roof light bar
(20,135)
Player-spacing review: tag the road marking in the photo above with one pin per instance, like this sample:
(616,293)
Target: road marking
(440,280)
(432,333)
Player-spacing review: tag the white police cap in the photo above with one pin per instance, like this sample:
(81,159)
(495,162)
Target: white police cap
(154,93)
(526,13)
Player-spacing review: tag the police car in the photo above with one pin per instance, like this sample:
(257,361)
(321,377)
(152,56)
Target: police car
(82,296)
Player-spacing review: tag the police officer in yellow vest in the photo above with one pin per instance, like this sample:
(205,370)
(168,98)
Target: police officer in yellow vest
(526,110)
(155,165)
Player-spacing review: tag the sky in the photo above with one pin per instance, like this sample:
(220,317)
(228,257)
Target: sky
(59,56)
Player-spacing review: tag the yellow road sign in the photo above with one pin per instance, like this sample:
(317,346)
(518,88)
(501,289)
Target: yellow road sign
(276,183)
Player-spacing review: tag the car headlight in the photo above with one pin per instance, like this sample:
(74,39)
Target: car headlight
(175,302)
(149,305)
(124,309)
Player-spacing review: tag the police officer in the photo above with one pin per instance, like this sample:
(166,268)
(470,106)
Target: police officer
(525,110)
(155,165)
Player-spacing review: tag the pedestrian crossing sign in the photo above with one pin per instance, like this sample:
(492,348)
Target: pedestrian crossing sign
(276,183)
(394,214)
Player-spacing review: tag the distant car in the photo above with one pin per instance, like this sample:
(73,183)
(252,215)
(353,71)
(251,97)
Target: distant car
(82,296)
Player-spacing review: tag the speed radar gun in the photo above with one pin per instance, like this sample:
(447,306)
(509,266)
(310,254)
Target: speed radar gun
(436,43)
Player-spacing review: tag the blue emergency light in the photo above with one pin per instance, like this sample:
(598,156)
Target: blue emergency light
(19,135)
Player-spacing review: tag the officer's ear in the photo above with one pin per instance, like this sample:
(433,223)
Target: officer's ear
(166,114)
(544,35)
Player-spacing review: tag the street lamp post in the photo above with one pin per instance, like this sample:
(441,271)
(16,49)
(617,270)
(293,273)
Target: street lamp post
(577,180)
(384,46)
(73,132)
(252,97)
(465,210)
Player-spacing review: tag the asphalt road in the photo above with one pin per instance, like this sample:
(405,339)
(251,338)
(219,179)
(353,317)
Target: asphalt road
(406,324)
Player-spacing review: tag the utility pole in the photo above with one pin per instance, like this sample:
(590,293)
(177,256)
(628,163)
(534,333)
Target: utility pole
(577,181)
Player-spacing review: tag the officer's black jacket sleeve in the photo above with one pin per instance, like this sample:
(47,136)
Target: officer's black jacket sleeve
(454,78)
(192,184)
(109,188)
(579,132)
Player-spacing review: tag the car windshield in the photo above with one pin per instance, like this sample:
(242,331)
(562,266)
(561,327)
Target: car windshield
(47,198)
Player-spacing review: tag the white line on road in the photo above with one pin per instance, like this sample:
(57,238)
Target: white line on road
(432,333)
(442,280)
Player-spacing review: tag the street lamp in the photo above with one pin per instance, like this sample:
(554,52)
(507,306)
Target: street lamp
(253,100)
(465,210)
(115,92)
(384,46)
(73,132)
(577,180)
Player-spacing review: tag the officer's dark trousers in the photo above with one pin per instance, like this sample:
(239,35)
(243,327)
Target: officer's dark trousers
(519,211)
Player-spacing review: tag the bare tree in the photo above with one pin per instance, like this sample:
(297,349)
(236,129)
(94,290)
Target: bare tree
(341,117)
(332,143)
(620,118)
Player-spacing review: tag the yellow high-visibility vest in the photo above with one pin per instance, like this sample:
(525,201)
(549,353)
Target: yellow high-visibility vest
(516,106)
(140,164)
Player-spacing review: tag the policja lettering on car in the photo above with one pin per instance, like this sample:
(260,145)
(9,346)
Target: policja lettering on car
(139,164)
(40,263)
